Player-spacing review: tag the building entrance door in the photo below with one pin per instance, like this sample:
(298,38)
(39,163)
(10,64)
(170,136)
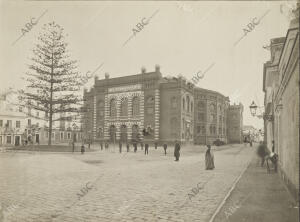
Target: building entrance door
(112,133)
(123,133)
(37,138)
(17,140)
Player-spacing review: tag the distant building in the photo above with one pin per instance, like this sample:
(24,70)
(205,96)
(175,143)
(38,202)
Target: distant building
(149,107)
(19,125)
(235,123)
(281,116)
(210,116)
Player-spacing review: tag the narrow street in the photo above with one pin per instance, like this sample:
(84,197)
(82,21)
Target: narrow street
(128,187)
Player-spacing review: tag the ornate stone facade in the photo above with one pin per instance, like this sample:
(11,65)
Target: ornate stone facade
(148,107)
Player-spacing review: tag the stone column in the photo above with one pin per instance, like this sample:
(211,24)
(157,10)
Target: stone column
(106,114)
(129,111)
(142,111)
(156,114)
(118,131)
(129,132)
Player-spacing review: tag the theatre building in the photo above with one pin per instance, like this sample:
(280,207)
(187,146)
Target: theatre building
(153,108)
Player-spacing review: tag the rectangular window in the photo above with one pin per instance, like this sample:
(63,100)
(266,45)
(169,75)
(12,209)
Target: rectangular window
(69,135)
(198,129)
(61,135)
(18,124)
(8,139)
(20,109)
(9,123)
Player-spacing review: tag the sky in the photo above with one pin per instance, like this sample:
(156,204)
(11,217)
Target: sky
(181,37)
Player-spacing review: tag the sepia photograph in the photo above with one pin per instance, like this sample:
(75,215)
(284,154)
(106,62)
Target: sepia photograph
(133,111)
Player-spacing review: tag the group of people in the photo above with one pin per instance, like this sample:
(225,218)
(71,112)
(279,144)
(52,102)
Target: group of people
(209,157)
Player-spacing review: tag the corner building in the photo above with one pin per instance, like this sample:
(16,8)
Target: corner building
(151,108)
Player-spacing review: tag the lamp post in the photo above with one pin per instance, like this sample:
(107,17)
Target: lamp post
(253,107)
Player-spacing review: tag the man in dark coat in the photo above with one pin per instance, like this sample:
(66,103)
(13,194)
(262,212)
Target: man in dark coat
(82,149)
(165,148)
(73,146)
(155,145)
(101,145)
(177,150)
(106,145)
(135,147)
(146,148)
(127,146)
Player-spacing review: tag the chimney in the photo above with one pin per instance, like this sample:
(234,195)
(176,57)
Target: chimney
(106,75)
(143,70)
(157,68)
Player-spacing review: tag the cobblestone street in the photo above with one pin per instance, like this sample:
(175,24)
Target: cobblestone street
(107,186)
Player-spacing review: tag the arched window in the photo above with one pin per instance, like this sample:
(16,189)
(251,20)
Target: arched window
(113,108)
(212,108)
(135,106)
(149,106)
(188,103)
(124,107)
(183,103)
(174,102)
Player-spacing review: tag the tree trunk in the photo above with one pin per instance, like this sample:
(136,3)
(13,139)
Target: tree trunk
(51,102)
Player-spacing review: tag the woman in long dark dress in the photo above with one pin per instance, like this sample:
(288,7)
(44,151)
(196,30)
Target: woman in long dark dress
(209,159)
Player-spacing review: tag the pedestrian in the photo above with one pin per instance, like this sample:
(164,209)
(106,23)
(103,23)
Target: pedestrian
(273,146)
(101,145)
(106,145)
(209,159)
(73,146)
(127,147)
(135,146)
(120,147)
(89,144)
(262,152)
(165,148)
(177,150)
(142,146)
(82,149)
(250,142)
(155,145)
(146,149)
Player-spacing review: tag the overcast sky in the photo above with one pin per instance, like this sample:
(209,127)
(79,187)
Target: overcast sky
(182,37)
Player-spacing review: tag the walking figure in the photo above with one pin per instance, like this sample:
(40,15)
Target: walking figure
(101,145)
(209,159)
(127,147)
(135,147)
(262,152)
(155,145)
(142,145)
(82,149)
(177,150)
(146,148)
(165,148)
(73,146)
(120,147)
(106,145)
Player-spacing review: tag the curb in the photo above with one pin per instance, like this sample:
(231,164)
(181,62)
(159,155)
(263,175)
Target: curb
(229,192)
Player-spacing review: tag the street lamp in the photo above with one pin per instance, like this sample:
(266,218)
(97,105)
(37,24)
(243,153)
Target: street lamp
(253,108)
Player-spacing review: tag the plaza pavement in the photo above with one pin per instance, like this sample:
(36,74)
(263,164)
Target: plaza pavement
(43,186)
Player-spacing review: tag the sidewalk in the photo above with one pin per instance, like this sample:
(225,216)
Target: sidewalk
(259,197)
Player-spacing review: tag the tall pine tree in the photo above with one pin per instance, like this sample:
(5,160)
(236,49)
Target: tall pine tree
(53,79)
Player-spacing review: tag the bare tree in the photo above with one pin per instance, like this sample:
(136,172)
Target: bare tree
(53,79)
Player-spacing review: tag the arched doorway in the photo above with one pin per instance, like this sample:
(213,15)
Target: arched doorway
(135,133)
(123,133)
(112,133)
